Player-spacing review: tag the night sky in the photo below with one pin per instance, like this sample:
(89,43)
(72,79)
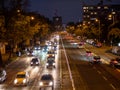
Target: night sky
(69,10)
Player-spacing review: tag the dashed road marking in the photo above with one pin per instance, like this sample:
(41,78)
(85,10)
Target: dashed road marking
(112,86)
(105,78)
(118,70)
(99,72)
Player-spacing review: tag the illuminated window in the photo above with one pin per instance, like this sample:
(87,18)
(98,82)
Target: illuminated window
(91,13)
(98,7)
(88,16)
(84,8)
(95,13)
(105,7)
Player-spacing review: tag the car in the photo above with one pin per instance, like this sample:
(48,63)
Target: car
(80,45)
(37,47)
(30,53)
(35,61)
(51,53)
(115,62)
(22,78)
(50,63)
(46,80)
(96,60)
(3,75)
(88,53)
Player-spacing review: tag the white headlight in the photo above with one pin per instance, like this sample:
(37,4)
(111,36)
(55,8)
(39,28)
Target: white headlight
(47,64)
(53,63)
(36,62)
(41,83)
(15,81)
(50,83)
(24,81)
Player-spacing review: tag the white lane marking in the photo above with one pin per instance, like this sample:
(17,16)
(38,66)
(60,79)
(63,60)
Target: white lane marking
(112,86)
(99,72)
(105,78)
(118,70)
(70,73)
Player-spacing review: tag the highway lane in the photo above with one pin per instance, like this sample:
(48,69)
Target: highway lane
(89,77)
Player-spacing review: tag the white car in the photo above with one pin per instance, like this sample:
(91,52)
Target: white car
(46,81)
(22,78)
(3,75)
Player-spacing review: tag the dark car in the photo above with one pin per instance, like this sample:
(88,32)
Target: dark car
(51,53)
(35,62)
(115,62)
(46,80)
(3,75)
(50,63)
(88,53)
(96,60)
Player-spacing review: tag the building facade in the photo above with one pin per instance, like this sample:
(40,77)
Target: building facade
(109,13)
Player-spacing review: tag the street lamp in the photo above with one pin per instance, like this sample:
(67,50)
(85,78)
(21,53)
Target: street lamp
(112,16)
(97,20)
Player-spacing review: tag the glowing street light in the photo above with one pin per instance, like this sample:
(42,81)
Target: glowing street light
(97,20)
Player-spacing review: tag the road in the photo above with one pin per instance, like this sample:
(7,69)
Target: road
(91,77)
(72,72)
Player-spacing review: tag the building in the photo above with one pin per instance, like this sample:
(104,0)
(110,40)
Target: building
(57,21)
(109,13)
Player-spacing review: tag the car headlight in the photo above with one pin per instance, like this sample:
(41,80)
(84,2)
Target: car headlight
(31,62)
(47,64)
(37,63)
(53,63)
(15,81)
(41,83)
(50,83)
(24,81)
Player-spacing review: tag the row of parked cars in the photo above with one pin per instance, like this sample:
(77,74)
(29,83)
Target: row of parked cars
(94,43)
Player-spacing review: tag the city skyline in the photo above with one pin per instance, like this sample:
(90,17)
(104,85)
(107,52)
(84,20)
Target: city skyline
(69,10)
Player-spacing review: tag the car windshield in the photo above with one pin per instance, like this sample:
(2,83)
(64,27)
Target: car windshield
(96,57)
(51,58)
(50,52)
(1,73)
(21,76)
(35,60)
(50,61)
(46,77)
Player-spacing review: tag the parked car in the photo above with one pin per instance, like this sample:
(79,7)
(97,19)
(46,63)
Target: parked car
(115,62)
(22,78)
(46,80)
(3,75)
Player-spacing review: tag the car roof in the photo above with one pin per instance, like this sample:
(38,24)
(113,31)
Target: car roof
(46,77)
(22,72)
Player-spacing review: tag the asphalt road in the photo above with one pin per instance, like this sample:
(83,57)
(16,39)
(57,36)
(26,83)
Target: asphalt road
(91,77)
(72,72)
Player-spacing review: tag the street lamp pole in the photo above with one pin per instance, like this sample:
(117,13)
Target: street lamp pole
(98,27)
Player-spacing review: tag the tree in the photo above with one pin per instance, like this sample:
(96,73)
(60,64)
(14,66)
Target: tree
(114,33)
